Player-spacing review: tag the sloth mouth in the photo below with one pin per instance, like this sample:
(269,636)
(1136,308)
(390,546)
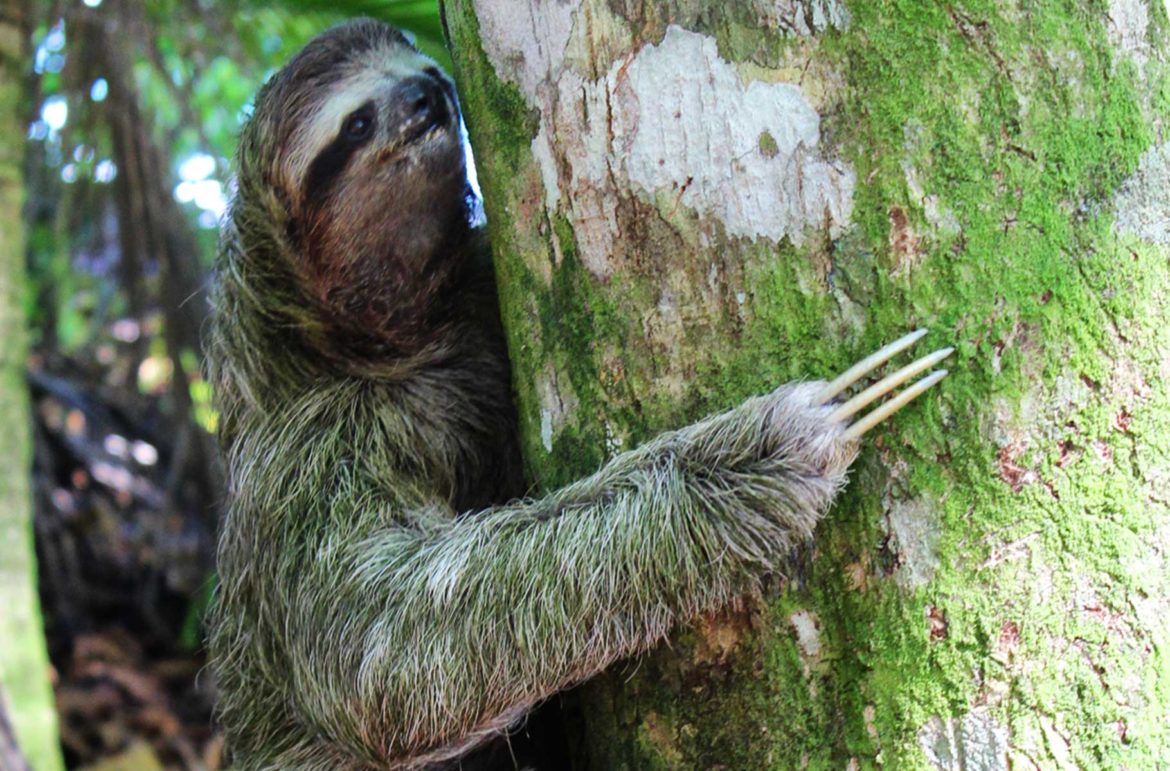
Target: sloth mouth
(422,131)
(411,144)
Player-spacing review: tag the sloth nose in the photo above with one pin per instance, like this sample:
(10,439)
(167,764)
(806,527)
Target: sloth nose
(419,104)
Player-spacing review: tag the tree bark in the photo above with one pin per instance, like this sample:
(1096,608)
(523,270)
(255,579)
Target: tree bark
(24,664)
(11,758)
(692,202)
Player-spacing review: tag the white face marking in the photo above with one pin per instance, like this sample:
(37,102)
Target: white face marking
(385,68)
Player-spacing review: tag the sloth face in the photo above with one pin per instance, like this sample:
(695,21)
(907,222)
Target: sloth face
(388,114)
(369,164)
(402,121)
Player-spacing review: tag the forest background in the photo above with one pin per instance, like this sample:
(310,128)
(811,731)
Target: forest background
(121,118)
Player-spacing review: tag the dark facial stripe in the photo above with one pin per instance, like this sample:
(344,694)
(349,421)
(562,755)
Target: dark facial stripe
(330,162)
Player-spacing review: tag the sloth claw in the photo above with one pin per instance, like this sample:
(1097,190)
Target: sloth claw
(856,430)
(868,364)
(884,386)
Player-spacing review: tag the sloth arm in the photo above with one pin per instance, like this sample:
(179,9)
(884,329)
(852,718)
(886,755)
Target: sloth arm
(467,622)
(478,617)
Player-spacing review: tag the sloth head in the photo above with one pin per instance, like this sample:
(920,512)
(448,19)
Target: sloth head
(352,185)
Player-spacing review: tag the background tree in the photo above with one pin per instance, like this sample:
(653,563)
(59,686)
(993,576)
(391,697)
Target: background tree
(24,664)
(693,202)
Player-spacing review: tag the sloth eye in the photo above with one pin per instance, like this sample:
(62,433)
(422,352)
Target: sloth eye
(359,126)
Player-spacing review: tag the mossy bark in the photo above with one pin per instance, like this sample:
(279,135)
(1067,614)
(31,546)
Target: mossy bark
(24,664)
(992,589)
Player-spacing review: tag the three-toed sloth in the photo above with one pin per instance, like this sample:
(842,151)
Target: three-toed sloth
(386,597)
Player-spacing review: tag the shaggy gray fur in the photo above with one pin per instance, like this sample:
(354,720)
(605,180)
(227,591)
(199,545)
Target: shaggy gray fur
(361,622)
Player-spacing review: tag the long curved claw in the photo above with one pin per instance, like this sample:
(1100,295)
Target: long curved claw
(887,384)
(887,409)
(868,364)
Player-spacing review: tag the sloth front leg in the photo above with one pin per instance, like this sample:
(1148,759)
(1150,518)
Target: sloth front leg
(478,618)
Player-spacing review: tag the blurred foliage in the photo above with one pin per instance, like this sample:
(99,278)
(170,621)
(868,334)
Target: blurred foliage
(195,67)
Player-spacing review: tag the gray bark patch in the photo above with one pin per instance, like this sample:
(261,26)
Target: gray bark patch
(687,123)
(525,42)
(915,527)
(1142,205)
(1129,28)
(974,742)
(676,123)
(801,17)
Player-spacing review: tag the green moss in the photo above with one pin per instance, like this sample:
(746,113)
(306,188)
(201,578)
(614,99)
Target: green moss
(768,146)
(1029,184)
(1030,189)
(497,115)
(998,134)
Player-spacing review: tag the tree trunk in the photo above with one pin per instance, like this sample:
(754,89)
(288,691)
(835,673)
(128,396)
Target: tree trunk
(24,663)
(692,202)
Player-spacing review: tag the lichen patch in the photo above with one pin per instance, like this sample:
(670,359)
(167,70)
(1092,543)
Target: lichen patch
(581,135)
(974,742)
(1142,203)
(556,404)
(808,634)
(545,156)
(675,124)
(915,526)
(684,122)
(801,17)
(1129,28)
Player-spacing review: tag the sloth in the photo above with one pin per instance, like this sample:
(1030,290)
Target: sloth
(388,598)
